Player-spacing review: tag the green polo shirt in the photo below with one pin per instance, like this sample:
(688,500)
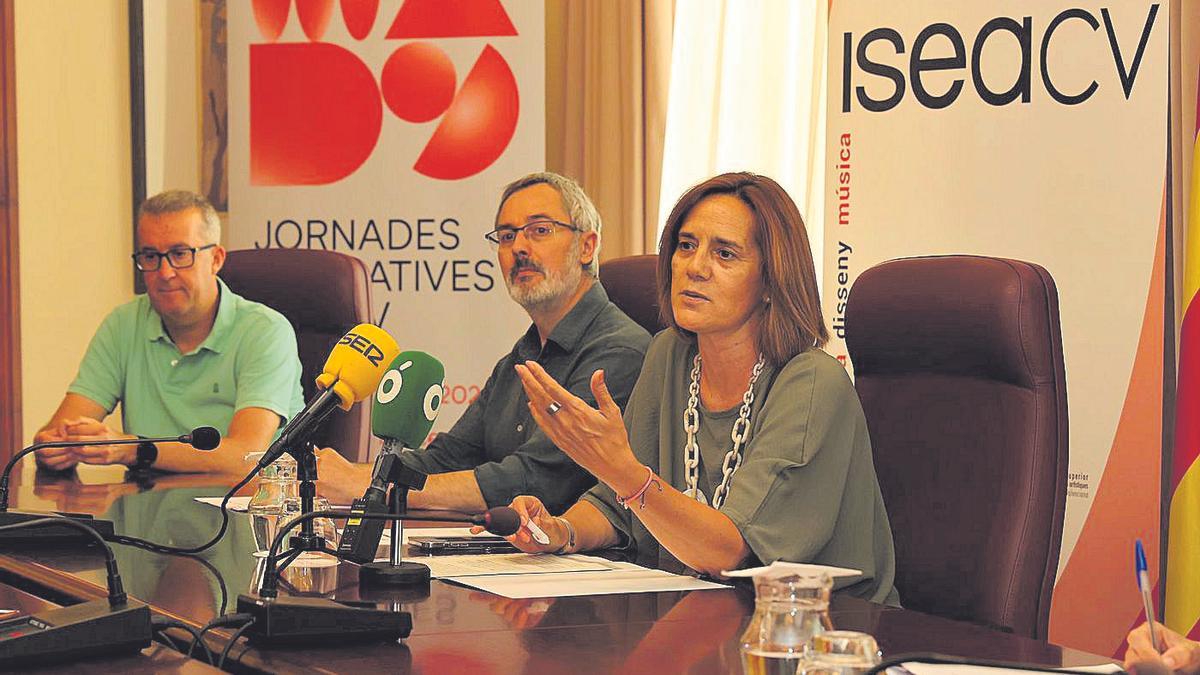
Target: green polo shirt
(248,360)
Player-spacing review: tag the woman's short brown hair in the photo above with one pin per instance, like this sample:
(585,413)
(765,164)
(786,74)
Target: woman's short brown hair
(792,320)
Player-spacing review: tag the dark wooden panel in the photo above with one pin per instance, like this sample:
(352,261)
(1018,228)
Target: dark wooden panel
(10,305)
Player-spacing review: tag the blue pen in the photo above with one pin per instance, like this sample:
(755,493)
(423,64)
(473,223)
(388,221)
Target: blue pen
(1143,580)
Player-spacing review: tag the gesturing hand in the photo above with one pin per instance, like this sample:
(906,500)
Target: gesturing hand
(594,437)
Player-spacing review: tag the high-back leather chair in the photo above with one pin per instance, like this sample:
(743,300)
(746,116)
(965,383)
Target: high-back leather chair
(323,294)
(631,285)
(958,363)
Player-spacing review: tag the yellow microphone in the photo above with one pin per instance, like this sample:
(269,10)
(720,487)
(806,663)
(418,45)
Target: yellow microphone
(357,363)
(353,370)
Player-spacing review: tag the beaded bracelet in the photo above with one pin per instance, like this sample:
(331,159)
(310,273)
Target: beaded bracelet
(640,495)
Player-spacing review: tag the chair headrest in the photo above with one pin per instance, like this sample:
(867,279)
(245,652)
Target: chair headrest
(954,315)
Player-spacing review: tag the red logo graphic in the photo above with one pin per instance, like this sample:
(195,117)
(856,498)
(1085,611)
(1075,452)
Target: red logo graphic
(316,110)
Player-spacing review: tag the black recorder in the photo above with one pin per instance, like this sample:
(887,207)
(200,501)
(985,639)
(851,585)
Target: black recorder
(360,539)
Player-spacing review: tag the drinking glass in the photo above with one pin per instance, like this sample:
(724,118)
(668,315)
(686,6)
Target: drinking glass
(789,610)
(276,483)
(840,652)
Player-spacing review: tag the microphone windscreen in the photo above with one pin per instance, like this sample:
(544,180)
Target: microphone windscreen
(356,363)
(408,399)
(205,438)
(502,520)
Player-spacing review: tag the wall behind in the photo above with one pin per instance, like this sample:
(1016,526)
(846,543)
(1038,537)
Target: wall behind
(72,73)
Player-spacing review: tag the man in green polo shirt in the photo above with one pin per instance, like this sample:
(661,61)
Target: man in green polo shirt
(188,353)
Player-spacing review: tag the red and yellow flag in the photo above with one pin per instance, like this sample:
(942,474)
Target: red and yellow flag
(1183,549)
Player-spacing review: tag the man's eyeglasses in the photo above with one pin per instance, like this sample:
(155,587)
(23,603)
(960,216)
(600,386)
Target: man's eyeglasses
(538,230)
(180,257)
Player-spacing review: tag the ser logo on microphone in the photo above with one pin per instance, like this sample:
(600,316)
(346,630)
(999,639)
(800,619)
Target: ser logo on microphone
(393,382)
(362,345)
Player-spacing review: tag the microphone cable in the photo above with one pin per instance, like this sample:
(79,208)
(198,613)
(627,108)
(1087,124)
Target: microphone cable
(220,621)
(232,641)
(188,550)
(159,624)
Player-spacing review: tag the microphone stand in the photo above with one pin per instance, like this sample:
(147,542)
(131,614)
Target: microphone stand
(397,572)
(307,539)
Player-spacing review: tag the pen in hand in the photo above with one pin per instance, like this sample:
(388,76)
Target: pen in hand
(538,535)
(1143,581)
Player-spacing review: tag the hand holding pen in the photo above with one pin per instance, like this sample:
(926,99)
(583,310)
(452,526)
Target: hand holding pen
(1181,655)
(1152,641)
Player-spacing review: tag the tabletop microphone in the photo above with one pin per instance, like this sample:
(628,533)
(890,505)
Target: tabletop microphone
(201,438)
(406,404)
(350,374)
(115,625)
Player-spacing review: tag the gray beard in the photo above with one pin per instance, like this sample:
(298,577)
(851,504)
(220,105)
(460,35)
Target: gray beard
(555,287)
(550,291)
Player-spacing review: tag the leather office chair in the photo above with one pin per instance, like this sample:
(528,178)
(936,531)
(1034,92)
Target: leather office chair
(959,366)
(323,294)
(631,285)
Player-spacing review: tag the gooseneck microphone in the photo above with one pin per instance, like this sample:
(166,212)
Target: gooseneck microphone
(201,438)
(111,626)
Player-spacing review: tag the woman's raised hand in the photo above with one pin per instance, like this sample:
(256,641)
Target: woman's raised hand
(594,437)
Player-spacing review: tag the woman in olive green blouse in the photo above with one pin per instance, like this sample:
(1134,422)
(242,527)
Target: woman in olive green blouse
(742,443)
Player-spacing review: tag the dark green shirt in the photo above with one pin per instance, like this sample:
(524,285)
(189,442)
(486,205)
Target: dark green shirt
(806,490)
(497,437)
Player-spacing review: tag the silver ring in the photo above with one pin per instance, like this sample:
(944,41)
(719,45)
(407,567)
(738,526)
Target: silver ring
(554,407)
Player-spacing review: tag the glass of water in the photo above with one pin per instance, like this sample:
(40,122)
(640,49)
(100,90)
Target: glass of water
(276,483)
(789,609)
(840,652)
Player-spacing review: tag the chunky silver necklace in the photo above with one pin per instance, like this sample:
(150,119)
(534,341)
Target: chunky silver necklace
(741,430)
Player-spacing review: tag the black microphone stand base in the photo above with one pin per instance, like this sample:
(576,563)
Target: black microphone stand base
(52,535)
(85,630)
(401,574)
(290,620)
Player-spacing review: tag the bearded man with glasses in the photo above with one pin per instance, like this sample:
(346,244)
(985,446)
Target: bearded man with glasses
(547,240)
(188,353)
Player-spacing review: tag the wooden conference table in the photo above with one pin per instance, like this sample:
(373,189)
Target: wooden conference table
(455,629)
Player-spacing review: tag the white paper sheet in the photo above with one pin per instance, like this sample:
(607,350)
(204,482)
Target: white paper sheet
(504,564)
(955,669)
(623,578)
(780,567)
(237,504)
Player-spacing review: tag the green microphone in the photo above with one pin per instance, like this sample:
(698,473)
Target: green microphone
(408,399)
(406,404)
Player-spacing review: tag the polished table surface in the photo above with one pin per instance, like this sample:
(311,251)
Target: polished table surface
(455,628)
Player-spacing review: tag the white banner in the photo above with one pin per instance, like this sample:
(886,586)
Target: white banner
(1030,129)
(390,136)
